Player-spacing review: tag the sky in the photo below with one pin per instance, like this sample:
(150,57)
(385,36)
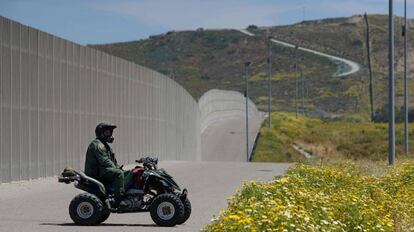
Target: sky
(106,21)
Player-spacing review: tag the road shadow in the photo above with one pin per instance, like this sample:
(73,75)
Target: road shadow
(100,225)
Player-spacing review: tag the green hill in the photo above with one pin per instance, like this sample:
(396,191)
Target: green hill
(204,59)
(329,140)
(345,37)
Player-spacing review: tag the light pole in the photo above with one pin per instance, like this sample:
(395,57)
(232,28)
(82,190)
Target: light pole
(269,80)
(371,91)
(391,91)
(296,80)
(303,91)
(246,78)
(405,34)
(307,92)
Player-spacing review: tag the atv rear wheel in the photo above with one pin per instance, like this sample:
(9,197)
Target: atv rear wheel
(86,209)
(166,209)
(187,210)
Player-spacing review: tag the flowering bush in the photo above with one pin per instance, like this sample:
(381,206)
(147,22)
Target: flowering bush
(330,198)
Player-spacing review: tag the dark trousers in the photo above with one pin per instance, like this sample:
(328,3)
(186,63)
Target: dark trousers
(118,178)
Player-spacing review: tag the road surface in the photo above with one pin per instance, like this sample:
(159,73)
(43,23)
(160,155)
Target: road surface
(42,205)
(353,67)
(226,140)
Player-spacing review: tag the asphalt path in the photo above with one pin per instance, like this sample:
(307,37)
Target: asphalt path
(226,140)
(42,205)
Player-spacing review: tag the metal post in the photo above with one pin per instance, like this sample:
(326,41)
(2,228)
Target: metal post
(371,91)
(296,81)
(405,34)
(269,81)
(246,78)
(303,91)
(391,91)
(307,92)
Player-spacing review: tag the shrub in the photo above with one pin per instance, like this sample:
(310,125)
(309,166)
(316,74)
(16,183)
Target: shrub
(329,198)
(252,27)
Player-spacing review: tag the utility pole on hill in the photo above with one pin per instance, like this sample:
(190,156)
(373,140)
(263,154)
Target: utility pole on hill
(296,80)
(371,92)
(246,78)
(307,93)
(303,91)
(269,80)
(391,91)
(405,34)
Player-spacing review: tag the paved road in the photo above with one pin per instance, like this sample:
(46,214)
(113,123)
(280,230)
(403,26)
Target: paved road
(42,205)
(353,67)
(226,140)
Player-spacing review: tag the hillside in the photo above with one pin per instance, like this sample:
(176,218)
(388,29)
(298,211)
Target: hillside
(205,59)
(329,140)
(345,37)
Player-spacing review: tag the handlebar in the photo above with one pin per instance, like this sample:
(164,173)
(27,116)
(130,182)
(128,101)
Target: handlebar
(148,162)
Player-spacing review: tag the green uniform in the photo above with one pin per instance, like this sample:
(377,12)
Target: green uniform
(101,164)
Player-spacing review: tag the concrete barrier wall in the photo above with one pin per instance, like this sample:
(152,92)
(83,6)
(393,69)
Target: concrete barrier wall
(219,105)
(54,92)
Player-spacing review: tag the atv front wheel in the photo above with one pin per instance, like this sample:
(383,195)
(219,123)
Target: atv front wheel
(166,209)
(86,209)
(105,215)
(187,210)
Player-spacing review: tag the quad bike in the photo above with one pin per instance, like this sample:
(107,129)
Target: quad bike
(152,190)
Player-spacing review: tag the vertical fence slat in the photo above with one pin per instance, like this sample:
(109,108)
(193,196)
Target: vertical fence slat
(48,129)
(24,102)
(2,179)
(1,101)
(6,101)
(15,100)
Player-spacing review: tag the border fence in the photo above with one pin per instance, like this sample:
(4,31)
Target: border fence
(54,92)
(219,105)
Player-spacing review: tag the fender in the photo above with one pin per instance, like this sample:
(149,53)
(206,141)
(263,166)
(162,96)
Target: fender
(169,178)
(166,180)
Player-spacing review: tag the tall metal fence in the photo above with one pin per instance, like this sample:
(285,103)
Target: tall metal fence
(219,105)
(54,92)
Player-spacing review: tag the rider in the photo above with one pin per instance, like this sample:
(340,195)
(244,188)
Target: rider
(101,163)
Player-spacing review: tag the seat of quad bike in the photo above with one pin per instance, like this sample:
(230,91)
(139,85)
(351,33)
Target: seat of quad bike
(99,184)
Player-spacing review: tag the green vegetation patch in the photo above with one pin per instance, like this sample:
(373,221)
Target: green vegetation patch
(328,139)
(324,198)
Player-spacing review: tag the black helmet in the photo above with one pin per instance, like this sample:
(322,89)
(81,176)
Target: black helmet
(100,132)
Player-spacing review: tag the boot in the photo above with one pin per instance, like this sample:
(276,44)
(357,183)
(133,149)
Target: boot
(120,202)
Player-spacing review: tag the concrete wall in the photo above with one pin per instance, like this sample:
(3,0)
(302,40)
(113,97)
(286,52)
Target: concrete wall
(222,105)
(54,92)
